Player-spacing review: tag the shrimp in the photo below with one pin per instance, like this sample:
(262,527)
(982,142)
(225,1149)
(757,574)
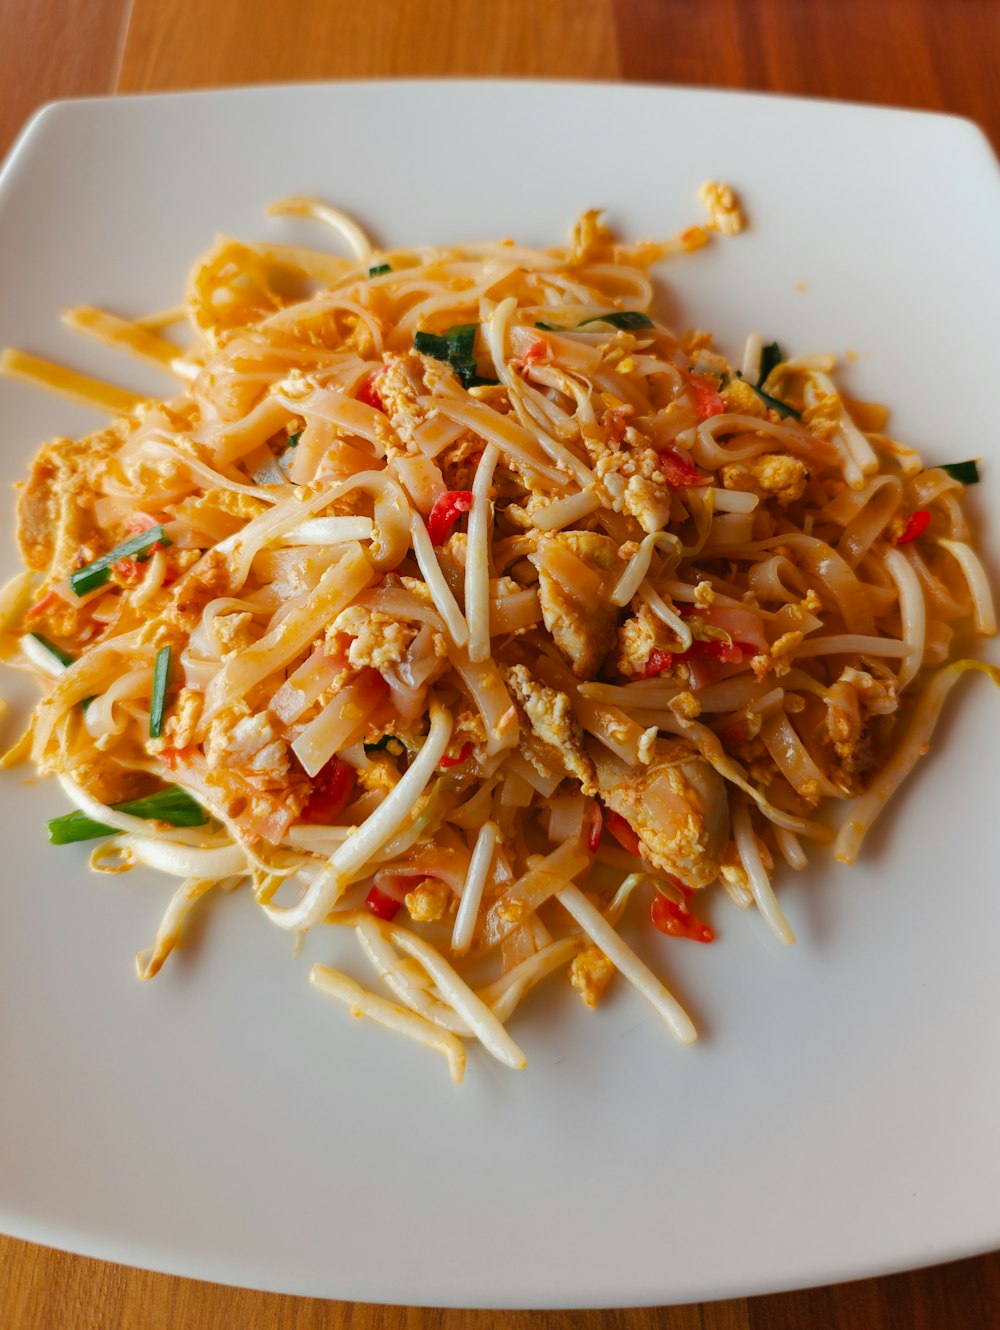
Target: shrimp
(677,806)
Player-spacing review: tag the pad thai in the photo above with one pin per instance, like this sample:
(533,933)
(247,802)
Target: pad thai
(452,599)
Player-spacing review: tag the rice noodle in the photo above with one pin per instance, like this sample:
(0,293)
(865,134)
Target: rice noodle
(464,556)
(628,963)
(760,883)
(477,568)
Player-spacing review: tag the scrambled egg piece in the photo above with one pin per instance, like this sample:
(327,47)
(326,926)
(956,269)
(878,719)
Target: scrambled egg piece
(648,502)
(637,636)
(741,398)
(590,240)
(633,482)
(686,705)
(249,743)
(381,775)
(677,806)
(553,720)
(850,702)
(181,724)
(582,625)
(773,475)
(108,782)
(205,581)
(379,640)
(724,211)
(429,902)
(590,974)
(218,512)
(55,508)
(400,385)
(234,632)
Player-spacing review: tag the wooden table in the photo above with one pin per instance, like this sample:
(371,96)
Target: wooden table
(920,53)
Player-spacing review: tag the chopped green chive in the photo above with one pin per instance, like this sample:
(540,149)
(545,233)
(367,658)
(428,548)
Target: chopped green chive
(95,574)
(172,805)
(293,439)
(63,657)
(966,473)
(387,744)
(457,349)
(379,269)
(161,673)
(622,318)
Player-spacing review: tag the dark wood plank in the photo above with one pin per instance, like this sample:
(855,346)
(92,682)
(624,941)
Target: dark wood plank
(49,1290)
(915,53)
(964,1295)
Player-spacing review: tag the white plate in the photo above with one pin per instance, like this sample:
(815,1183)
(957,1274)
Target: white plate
(838,1116)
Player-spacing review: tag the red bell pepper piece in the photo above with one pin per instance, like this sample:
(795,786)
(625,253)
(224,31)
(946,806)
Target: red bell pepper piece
(448,508)
(332,790)
(916,524)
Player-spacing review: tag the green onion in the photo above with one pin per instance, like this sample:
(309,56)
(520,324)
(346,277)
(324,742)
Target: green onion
(95,574)
(387,744)
(776,404)
(770,356)
(966,473)
(161,672)
(379,269)
(624,319)
(172,805)
(293,439)
(63,657)
(457,349)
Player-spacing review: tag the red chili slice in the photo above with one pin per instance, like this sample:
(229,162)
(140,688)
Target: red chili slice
(41,606)
(622,831)
(678,469)
(596,824)
(656,662)
(916,524)
(448,508)
(333,786)
(464,753)
(381,905)
(678,921)
(368,393)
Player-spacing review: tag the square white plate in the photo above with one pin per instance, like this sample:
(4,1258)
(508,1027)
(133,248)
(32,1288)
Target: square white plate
(839,1115)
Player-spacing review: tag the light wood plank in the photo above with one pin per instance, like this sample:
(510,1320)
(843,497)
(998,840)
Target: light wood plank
(185,43)
(55,48)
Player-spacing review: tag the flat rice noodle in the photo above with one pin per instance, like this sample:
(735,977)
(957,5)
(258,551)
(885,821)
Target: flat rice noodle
(336,590)
(530,891)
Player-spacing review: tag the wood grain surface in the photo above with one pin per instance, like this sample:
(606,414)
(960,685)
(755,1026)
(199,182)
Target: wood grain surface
(920,53)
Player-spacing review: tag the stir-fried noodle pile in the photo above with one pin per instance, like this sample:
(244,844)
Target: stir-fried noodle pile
(458,590)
